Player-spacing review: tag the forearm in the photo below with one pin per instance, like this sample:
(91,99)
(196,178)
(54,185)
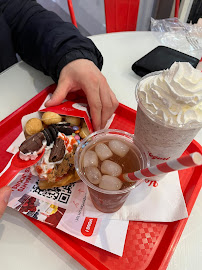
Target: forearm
(43,40)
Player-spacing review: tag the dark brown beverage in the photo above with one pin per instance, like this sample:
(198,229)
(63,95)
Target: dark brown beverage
(107,199)
(129,163)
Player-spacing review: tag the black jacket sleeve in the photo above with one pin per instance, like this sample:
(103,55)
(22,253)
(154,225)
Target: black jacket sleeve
(43,40)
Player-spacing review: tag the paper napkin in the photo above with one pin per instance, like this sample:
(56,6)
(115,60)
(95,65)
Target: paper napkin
(159,201)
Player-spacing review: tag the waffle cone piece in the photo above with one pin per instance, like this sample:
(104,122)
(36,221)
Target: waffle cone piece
(65,180)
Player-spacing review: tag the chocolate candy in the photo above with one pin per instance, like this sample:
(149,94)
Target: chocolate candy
(75,128)
(77,137)
(33,143)
(58,151)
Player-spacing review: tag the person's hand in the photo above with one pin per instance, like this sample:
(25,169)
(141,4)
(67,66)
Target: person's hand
(5,193)
(83,75)
(199,23)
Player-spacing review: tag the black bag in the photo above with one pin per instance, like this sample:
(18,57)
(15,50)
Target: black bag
(161,58)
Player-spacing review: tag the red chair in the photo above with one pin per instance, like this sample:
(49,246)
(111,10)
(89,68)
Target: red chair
(177,6)
(71,11)
(120,15)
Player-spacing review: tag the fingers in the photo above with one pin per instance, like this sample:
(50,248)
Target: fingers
(115,102)
(93,97)
(107,106)
(5,193)
(109,103)
(102,102)
(60,93)
(83,74)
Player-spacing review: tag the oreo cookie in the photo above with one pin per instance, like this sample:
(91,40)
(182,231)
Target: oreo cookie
(54,132)
(48,136)
(67,130)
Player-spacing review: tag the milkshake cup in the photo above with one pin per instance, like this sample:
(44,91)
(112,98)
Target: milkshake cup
(169,113)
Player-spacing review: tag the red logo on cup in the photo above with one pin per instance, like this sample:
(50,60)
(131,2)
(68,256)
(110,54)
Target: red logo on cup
(88,226)
(156,157)
(154,183)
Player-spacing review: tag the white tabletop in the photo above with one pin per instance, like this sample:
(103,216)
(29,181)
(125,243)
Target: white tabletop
(22,245)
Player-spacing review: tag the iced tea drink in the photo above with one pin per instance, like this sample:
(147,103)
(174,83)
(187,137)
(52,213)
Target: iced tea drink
(101,158)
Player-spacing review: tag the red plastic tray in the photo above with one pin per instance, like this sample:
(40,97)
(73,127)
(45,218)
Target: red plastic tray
(149,245)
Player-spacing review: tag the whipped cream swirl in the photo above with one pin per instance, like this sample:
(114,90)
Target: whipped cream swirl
(174,96)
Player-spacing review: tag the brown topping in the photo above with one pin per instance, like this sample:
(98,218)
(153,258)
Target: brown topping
(58,151)
(33,143)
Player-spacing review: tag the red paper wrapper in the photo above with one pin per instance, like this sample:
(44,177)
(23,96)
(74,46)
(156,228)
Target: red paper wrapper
(70,108)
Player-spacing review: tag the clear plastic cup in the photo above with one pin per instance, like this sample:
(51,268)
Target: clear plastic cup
(106,200)
(162,140)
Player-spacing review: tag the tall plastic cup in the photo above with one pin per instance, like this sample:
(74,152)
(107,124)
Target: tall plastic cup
(162,141)
(106,200)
